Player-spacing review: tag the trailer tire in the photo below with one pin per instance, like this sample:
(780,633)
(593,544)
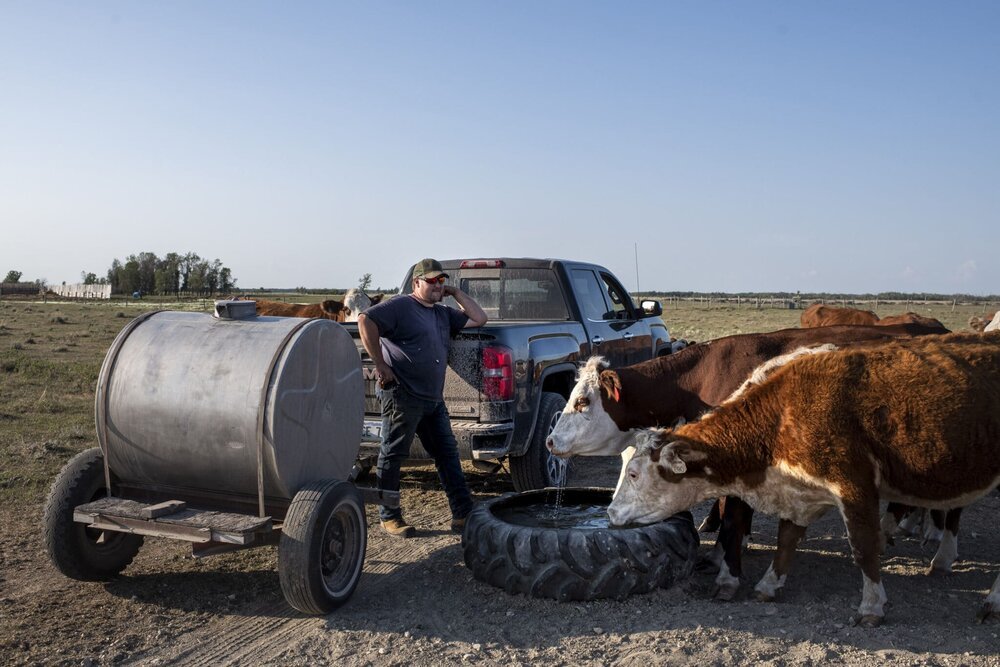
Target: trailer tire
(537,468)
(567,564)
(322,548)
(77,551)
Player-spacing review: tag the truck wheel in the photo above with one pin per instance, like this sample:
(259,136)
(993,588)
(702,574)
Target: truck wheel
(80,552)
(568,563)
(537,468)
(322,547)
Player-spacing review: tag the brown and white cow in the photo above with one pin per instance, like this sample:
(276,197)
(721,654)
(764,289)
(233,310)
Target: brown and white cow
(819,315)
(914,421)
(329,309)
(355,301)
(606,404)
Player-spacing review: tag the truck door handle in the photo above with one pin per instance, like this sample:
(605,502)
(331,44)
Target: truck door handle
(627,335)
(597,340)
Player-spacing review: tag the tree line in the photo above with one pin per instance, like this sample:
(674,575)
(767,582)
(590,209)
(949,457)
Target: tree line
(830,296)
(178,274)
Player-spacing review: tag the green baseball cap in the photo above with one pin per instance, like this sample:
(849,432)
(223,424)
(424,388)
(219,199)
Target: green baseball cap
(428,268)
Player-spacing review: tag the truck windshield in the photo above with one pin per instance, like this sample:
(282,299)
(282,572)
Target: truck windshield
(513,294)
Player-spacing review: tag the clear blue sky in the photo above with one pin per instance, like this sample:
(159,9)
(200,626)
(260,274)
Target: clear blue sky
(745,146)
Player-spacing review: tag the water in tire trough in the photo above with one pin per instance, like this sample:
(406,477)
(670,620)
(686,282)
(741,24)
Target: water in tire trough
(577,516)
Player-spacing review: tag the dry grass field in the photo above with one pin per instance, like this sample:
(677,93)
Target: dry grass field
(228,609)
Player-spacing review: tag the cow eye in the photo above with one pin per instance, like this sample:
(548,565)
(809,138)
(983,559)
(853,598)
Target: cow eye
(582,403)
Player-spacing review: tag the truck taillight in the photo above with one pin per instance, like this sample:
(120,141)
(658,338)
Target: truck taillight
(498,374)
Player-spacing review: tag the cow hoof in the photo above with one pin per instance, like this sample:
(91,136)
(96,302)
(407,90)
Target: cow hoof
(763,597)
(726,592)
(866,621)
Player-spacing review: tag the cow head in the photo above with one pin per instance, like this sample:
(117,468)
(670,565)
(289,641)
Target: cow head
(333,310)
(585,428)
(356,301)
(667,475)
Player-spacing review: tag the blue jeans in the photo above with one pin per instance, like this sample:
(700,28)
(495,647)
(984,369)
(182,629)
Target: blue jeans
(404,415)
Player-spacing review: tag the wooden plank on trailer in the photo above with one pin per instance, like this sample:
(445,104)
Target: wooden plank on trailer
(186,524)
(162,509)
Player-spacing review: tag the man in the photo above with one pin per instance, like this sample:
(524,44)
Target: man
(408,338)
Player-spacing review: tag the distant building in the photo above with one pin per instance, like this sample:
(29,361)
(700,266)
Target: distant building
(81,291)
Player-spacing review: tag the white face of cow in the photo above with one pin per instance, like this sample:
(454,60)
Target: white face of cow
(585,429)
(355,301)
(654,490)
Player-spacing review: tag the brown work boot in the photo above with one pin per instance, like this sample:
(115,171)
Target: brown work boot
(458,525)
(398,528)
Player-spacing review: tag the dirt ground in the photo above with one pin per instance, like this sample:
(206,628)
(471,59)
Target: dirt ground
(417,604)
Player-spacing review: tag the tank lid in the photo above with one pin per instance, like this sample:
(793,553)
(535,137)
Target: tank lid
(235,310)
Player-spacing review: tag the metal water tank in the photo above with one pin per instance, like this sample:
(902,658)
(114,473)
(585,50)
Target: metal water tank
(203,403)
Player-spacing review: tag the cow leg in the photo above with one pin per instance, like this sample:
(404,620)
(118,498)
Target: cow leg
(891,526)
(627,455)
(713,520)
(736,518)
(911,520)
(947,552)
(789,534)
(861,518)
(991,605)
(933,529)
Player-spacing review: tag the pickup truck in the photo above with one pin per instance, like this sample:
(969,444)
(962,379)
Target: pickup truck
(507,382)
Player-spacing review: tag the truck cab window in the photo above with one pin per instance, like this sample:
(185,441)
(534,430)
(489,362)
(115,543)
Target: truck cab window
(591,295)
(620,303)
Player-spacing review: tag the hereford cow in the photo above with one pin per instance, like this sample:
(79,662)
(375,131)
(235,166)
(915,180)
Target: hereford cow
(605,404)
(355,301)
(913,421)
(818,315)
(329,309)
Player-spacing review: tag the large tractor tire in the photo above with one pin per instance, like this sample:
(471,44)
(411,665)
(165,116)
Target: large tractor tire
(78,551)
(568,564)
(322,548)
(537,468)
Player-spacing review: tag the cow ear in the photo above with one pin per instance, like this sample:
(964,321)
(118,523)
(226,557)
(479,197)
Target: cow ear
(676,455)
(611,384)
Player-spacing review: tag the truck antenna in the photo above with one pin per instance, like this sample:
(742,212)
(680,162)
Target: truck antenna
(636,246)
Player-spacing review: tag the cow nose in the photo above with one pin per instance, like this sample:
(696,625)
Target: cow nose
(550,444)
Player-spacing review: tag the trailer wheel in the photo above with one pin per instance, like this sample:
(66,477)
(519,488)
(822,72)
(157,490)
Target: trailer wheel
(78,551)
(537,468)
(322,547)
(568,564)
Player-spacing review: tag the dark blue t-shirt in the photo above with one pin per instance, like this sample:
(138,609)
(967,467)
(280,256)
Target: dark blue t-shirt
(415,341)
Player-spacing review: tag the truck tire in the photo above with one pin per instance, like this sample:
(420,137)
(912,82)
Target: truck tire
(77,551)
(322,548)
(569,564)
(537,468)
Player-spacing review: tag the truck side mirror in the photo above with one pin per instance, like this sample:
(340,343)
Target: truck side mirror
(651,308)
